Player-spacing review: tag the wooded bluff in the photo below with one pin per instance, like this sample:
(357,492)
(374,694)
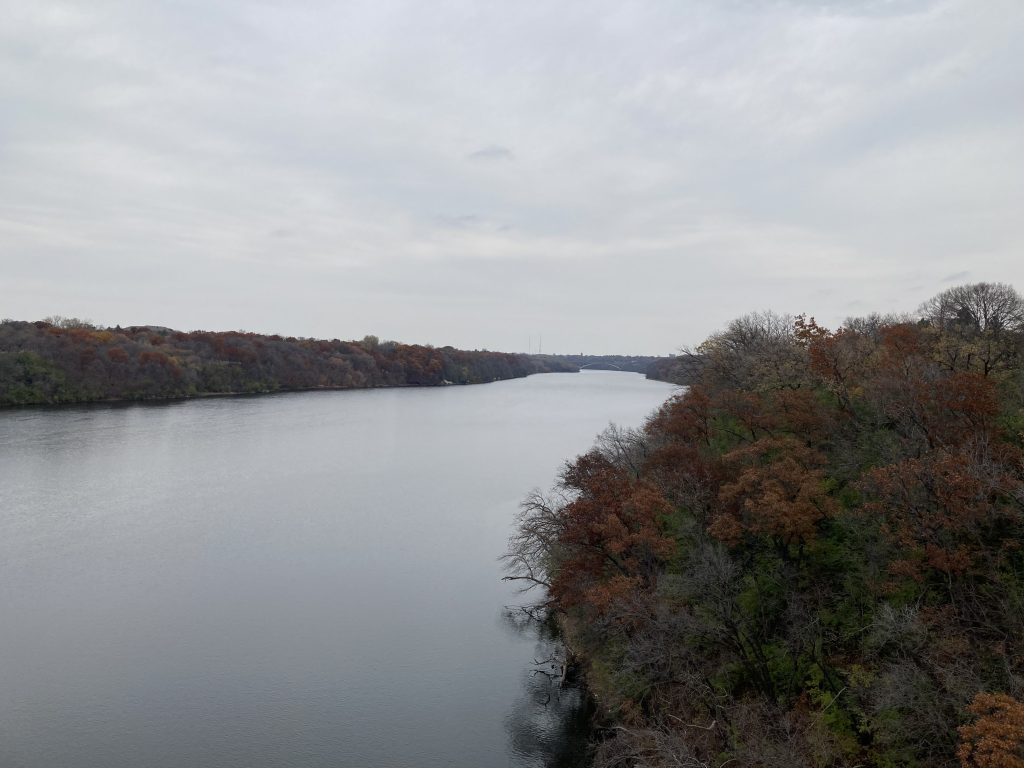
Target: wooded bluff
(814,556)
(67,361)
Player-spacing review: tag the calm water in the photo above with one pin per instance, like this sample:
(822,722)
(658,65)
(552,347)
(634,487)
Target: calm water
(291,580)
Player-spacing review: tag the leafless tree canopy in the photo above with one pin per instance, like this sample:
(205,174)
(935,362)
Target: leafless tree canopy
(979,307)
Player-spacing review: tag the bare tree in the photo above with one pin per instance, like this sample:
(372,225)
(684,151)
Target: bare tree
(978,307)
(625,448)
(532,550)
(981,327)
(756,351)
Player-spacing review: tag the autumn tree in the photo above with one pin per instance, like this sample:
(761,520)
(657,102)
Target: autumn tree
(778,493)
(996,737)
(815,554)
(950,511)
(68,360)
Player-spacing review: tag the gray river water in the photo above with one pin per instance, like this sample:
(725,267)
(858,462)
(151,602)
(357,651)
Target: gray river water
(306,579)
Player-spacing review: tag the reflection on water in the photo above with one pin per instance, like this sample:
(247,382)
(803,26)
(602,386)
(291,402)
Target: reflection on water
(306,580)
(550,722)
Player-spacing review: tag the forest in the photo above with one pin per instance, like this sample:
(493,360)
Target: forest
(66,360)
(813,555)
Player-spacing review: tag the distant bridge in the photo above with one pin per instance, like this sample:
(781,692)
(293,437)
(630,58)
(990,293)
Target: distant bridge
(683,369)
(633,363)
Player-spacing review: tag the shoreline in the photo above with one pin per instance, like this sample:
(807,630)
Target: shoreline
(257,393)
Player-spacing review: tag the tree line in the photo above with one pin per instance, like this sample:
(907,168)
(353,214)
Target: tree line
(814,556)
(66,360)
(632,363)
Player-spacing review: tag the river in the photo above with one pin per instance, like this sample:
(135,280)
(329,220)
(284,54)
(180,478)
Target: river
(305,579)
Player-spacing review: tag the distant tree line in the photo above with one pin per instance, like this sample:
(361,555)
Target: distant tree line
(814,556)
(67,360)
(631,363)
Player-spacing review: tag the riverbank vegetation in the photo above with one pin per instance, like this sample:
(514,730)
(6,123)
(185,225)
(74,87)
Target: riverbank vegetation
(814,556)
(63,360)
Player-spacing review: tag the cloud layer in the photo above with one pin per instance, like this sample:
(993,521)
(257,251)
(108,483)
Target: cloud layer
(617,176)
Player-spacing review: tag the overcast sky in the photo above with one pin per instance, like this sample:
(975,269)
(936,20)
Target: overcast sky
(617,176)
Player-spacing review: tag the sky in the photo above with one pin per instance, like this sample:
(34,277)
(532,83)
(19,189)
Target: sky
(612,177)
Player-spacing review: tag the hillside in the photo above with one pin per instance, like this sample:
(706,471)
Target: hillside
(812,557)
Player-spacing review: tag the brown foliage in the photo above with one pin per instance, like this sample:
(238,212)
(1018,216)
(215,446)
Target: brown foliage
(943,509)
(73,361)
(929,406)
(612,537)
(685,418)
(848,514)
(778,492)
(800,412)
(996,738)
(839,360)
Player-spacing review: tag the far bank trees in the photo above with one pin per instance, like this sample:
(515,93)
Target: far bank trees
(62,360)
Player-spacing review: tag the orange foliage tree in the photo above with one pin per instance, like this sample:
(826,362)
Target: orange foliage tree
(948,510)
(612,540)
(996,738)
(778,492)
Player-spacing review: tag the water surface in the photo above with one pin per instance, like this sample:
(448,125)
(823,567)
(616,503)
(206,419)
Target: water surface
(306,579)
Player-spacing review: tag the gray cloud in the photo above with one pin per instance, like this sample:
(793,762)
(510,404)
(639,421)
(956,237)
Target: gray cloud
(958,277)
(472,222)
(676,164)
(463,221)
(492,152)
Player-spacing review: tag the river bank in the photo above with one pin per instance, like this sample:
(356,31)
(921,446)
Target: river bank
(812,556)
(47,363)
(251,393)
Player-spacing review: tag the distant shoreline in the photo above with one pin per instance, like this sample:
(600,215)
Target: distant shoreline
(70,361)
(67,361)
(258,393)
